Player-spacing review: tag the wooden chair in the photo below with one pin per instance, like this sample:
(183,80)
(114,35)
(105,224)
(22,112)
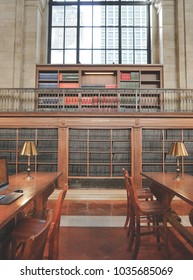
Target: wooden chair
(30,226)
(35,244)
(143,194)
(152,210)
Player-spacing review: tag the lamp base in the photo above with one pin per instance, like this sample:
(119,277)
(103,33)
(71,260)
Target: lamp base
(28,177)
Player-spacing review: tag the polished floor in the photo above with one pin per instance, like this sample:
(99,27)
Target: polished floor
(92,229)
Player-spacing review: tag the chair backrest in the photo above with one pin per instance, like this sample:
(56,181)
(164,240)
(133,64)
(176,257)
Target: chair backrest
(131,189)
(55,224)
(133,192)
(35,245)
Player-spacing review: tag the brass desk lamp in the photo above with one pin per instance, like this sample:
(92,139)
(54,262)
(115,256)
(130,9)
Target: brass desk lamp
(28,149)
(178,150)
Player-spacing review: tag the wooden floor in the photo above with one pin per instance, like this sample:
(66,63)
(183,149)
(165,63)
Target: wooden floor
(96,242)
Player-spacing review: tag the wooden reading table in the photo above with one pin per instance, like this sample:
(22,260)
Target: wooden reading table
(36,190)
(165,186)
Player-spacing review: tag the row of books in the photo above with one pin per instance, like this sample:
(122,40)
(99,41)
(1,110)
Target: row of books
(127,76)
(70,76)
(130,84)
(98,86)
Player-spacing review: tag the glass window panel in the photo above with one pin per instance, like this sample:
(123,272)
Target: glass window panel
(112,56)
(57,38)
(70,56)
(127,15)
(112,37)
(140,57)
(71,16)
(112,15)
(140,38)
(98,15)
(58,16)
(86,16)
(98,38)
(57,56)
(70,37)
(85,56)
(140,14)
(86,38)
(98,56)
(127,57)
(127,38)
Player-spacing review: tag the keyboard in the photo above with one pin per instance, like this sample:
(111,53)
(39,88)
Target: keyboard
(9,198)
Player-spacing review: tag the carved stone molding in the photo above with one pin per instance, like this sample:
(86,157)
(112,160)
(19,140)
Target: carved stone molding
(157,4)
(39,3)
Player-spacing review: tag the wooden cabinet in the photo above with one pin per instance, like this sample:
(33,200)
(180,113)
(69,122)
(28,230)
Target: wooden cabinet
(11,140)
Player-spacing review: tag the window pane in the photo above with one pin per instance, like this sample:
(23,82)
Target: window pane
(140,38)
(98,15)
(57,38)
(70,37)
(98,56)
(70,56)
(112,15)
(127,15)
(98,37)
(127,57)
(140,14)
(58,16)
(85,57)
(140,57)
(56,57)
(86,38)
(112,56)
(71,16)
(127,38)
(86,16)
(112,38)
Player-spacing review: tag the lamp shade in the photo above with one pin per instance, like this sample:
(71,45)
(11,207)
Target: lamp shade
(28,149)
(178,149)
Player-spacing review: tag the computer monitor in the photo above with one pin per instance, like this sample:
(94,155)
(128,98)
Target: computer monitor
(4,179)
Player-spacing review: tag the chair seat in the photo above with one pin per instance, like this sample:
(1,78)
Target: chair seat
(151,207)
(144,194)
(27,227)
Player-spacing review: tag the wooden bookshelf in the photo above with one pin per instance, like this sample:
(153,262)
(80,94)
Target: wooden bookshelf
(90,149)
(98,77)
(100,153)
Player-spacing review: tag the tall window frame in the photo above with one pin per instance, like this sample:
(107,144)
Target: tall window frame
(99,32)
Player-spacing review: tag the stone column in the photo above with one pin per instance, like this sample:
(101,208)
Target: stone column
(34,13)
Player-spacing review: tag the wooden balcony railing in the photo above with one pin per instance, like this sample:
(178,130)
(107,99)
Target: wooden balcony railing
(96,100)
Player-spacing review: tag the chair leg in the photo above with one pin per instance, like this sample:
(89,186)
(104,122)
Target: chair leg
(131,231)
(137,238)
(126,221)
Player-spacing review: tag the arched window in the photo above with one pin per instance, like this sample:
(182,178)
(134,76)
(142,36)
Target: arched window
(99,32)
